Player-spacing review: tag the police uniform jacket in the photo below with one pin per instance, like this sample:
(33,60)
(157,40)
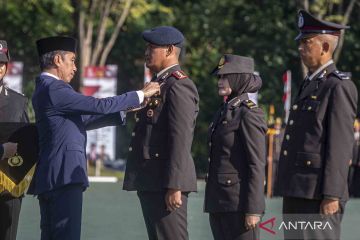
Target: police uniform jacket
(62,118)
(12,106)
(235,182)
(319,138)
(160,151)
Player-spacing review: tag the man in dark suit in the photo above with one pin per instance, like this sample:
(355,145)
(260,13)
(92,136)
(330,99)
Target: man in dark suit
(160,166)
(62,118)
(13,107)
(319,136)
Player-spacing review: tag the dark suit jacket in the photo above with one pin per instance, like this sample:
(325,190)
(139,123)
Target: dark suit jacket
(160,151)
(62,118)
(319,138)
(235,182)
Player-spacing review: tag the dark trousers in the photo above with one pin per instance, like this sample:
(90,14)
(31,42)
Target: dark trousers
(308,210)
(61,211)
(355,182)
(160,223)
(9,216)
(231,226)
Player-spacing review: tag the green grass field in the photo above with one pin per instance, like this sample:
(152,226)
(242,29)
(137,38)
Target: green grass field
(110,213)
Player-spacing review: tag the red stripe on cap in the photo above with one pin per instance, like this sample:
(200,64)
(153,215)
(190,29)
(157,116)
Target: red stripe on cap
(319,28)
(4,50)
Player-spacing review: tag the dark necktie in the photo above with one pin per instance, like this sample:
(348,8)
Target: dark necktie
(304,84)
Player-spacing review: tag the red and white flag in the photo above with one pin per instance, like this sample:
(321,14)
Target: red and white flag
(287,93)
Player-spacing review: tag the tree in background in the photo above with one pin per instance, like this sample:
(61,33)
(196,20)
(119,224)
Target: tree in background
(98,24)
(262,29)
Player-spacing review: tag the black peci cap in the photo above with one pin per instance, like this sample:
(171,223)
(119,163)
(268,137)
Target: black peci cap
(164,35)
(56,43)
(234,64)
(4,51)
(310,26)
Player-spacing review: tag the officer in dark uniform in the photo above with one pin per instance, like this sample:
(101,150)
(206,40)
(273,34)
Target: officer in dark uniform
(160,166)
(234,194)
(319,136)
(12,110)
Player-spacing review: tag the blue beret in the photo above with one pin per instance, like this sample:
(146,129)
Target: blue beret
(164,35)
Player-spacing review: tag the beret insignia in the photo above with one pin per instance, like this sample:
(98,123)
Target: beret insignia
(221,62)
(300,21)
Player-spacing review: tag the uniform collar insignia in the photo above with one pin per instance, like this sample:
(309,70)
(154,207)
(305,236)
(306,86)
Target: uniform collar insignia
(164,76)
(322,75)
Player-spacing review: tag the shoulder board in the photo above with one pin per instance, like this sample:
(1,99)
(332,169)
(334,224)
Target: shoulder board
(250,104)
(14,92)
(342,75)
(235,102)
(179,74)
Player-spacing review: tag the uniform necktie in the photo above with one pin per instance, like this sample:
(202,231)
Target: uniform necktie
(304,84)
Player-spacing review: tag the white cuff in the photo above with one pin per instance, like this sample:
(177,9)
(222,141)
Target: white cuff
(141,96)
(123,117)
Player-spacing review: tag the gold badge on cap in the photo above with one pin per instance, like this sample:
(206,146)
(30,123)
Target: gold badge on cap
(221,62)
(15,161)
(300,21)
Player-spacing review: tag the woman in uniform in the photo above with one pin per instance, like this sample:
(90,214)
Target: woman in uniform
(234,194)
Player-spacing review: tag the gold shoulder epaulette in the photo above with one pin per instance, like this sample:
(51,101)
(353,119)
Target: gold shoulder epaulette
(250,104)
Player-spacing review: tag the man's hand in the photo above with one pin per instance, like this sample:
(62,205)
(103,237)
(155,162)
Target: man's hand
(173,199)
(150,89)
(142,105)
(251,221)
(329,206)
(9,149)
